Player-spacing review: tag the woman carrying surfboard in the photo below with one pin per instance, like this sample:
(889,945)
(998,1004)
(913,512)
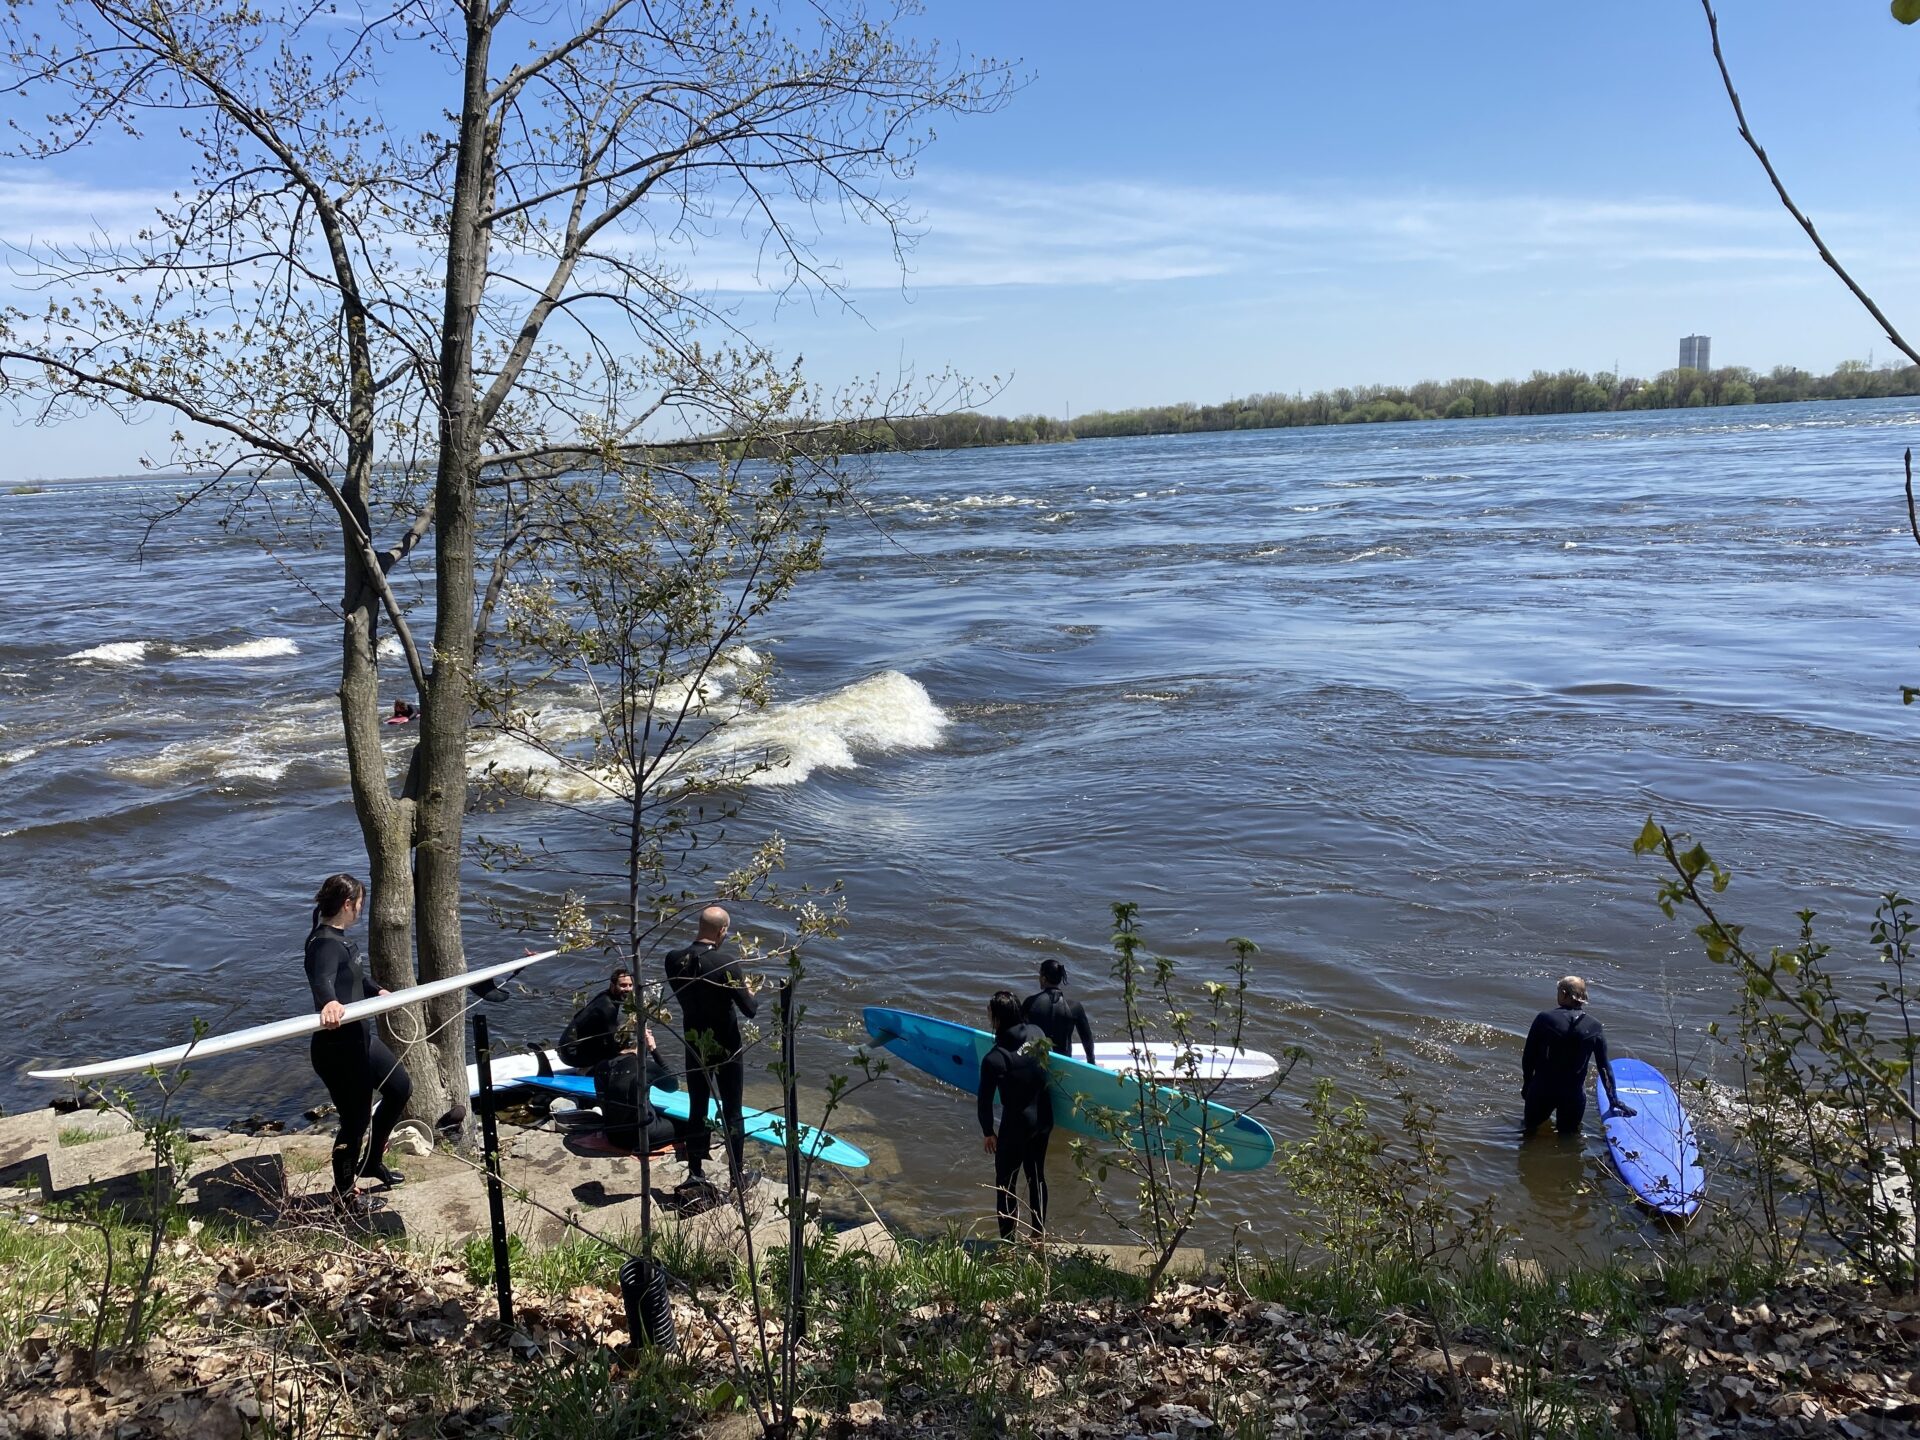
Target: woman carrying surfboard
(349,1056)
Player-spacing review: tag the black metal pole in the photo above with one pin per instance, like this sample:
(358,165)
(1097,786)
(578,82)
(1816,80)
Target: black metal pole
(496,1193)
(796,1206)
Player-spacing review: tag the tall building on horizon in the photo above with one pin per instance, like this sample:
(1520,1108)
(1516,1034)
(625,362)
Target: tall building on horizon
(1693,352)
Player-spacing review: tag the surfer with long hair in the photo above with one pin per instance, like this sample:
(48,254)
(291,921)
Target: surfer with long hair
(349,1056)
(1015,1071)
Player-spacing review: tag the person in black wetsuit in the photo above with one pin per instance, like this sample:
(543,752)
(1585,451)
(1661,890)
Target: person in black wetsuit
(350,1058)
(713,994)
(1016,1071)
(1059,1018)
(593,1034)
(621,1083)
(1553,1068)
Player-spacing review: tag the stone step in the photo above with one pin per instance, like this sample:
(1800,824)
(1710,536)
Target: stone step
(120,1166)
(25,1141)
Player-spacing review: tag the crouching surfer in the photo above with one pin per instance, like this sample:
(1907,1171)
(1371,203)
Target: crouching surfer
(620,1085)
(1015,1071)
(1553,1068)
(349,1056)
(594,1033)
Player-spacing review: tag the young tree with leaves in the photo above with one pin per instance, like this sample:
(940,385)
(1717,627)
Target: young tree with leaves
(407,259)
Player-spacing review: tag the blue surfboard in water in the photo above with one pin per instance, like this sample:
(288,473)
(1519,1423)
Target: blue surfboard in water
(1654,1150)
(767,1128)
(1086,1099)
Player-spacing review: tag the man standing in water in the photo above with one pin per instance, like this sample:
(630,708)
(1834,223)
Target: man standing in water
(1059,1018)
(1015,1071)
(1553,1068)
(712,994)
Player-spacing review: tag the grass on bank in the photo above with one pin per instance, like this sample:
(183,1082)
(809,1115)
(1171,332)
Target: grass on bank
(930,1325)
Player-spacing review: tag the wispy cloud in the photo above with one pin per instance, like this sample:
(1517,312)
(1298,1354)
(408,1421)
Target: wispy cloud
(994,231)
(986,231)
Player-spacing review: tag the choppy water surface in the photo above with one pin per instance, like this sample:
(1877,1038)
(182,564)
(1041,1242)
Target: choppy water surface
(1391,701)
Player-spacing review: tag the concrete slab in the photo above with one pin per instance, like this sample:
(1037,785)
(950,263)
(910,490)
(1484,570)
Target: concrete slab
(24,1143)
(449,1211)
(119,1166)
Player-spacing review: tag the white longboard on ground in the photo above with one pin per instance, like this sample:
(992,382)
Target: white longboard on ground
(1164,1060)
(210,1045)
(511,1070)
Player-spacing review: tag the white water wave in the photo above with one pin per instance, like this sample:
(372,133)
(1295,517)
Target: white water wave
(117,652)
(266,648)
(264,752)
(18,757)
(994,502)
(784,744)
(1394,550)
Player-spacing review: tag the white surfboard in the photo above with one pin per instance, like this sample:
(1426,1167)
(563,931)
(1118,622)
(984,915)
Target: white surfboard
(1162,1059)
(510,1070)
(211,1045)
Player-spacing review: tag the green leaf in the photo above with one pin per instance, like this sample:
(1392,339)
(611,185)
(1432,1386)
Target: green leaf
(1648,840)
(1906,11)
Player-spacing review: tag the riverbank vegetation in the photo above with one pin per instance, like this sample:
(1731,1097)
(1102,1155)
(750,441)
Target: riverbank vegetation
(315,1332)
(1563,392)
(1373,1299)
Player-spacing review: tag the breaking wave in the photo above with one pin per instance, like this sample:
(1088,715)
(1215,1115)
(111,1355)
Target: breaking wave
(267,648)
(783,744)
(118,652)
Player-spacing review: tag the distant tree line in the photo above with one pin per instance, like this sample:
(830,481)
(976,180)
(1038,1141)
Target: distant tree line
(1565,392)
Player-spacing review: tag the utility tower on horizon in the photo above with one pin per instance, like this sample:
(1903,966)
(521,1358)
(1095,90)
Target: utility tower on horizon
(1693,352)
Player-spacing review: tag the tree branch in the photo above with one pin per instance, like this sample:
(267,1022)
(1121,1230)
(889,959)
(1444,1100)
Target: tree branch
(1833,264)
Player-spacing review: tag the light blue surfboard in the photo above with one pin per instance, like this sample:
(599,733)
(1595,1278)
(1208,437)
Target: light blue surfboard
(1083,1094)
(760,1125)
(1654,1150)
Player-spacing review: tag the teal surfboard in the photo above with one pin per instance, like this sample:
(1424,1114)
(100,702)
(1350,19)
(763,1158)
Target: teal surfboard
(760,1125)
(1083,1095)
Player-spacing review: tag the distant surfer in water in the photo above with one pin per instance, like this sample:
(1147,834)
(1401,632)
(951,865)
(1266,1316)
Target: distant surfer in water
(404,713)
(1553,1068)
(1016,1072)
(1059,1018)
(593,1034)
(713,994)
(350,1057)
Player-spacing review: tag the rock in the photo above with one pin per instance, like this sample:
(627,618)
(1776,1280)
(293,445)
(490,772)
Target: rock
(410,1137)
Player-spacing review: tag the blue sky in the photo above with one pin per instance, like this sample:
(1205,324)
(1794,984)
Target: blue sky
(1208,201)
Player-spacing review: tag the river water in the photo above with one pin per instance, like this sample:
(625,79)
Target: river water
(1391,701)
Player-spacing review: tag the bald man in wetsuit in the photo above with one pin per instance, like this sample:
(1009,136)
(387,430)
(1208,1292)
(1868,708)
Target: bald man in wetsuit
(1553,1068)
(713,994)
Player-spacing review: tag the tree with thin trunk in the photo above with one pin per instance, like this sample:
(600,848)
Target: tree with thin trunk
(407,258)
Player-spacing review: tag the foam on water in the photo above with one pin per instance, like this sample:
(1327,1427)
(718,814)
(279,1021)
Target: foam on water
(266,648)
(781,745)
(881,715)
(117,652)
(287,734)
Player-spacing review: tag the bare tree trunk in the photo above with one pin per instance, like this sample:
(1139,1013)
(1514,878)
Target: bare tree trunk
(447,711)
